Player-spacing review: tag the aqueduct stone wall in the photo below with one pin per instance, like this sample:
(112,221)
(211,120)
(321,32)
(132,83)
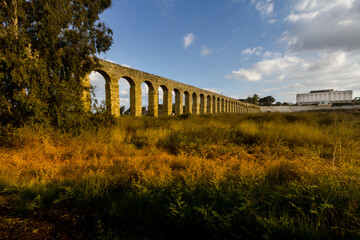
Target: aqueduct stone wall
(197,101)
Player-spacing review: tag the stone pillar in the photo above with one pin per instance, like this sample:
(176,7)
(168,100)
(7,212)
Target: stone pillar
(135,101)
(213,101)
(202,104)
(167,103)
(208,105)
(178,103)
(86,98)
(112,98)
(188,103)
(196,105)
(153,102)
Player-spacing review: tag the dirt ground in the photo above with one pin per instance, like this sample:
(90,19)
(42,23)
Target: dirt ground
(58,221)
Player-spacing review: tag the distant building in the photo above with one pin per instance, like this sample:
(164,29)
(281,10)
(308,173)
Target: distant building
(328,96)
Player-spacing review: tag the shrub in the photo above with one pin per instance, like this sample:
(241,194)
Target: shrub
(283,172)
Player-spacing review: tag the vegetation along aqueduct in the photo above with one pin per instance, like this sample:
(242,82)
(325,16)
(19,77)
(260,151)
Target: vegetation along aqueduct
(197,101)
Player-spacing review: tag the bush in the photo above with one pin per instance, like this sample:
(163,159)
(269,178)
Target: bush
(282,173)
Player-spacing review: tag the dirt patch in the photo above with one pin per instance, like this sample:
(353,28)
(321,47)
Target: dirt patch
(57,221)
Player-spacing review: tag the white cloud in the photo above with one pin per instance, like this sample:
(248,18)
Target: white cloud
(246,74)
(215,90)
(252,51)
(188,40)
(204,51)
(269,54)
(322,51)
(98,82)
(346,22)
(125,65)
(272,21)
(265,7)
(325,25)
(331,70)
(124,92)
(293,18)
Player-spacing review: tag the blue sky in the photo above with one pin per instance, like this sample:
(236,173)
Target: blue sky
(238,47)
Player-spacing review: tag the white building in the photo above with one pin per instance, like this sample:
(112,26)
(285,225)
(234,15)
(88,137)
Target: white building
(328,96)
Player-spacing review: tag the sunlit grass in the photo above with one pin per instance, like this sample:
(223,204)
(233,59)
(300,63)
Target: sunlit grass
(271,176)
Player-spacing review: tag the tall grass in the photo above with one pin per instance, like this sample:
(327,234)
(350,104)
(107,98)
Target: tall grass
(263,176)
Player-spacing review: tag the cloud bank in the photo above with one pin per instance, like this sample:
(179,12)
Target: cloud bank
(322,49)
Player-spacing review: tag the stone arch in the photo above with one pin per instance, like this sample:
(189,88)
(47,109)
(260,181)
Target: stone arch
(136,78)
(195,104)
(153,99)
(208,104)
(202,103)
(104,74)
(88,99)
(135,95)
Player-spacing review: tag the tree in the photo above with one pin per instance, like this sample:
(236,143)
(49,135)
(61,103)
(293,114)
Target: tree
(253,100)
(266,101)
(47,47)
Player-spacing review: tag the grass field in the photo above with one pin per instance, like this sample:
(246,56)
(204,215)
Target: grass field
(261,176)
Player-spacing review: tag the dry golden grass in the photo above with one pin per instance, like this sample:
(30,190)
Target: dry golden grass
(297,156)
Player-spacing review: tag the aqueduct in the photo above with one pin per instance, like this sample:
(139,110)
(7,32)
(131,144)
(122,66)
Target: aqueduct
(197,101)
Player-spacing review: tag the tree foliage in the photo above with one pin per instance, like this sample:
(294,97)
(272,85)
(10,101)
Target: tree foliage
(47,47)
(266,101)
(253,100)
